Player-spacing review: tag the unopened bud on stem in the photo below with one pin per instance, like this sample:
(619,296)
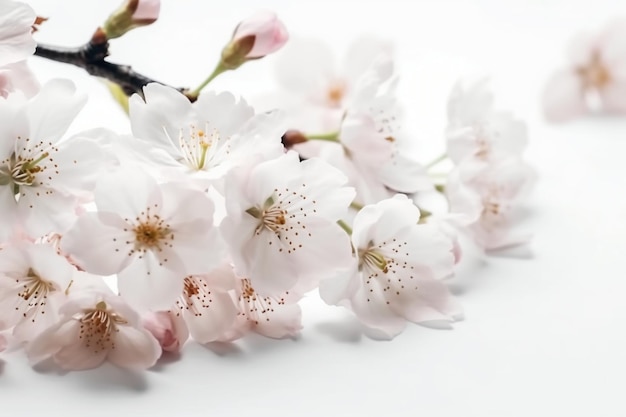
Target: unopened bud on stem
(130,15)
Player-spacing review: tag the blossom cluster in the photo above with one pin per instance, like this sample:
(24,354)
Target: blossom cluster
(210,219)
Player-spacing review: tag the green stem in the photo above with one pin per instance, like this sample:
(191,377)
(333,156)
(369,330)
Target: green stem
(220,68)
(436,161)
(356,206)
(329,137)
(345,226)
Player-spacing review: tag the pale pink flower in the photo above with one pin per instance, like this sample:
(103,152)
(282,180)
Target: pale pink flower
(276,317)
(268,34)
(205,305)
(205,139)
(42,176)
(491,196)
(16,40)
(18,77)
(308,68)
(169,332)
(94,327)
(596,75)
(476,130)
(373,149)
(281,222)
(151,235)
(33,281)
(396,276)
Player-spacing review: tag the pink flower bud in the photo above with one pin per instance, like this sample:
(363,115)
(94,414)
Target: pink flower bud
(130,15)
(170,334)
(147,10)
(267,32)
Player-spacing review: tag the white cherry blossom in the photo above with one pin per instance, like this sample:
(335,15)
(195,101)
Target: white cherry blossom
(204,139)
(42,176)
(33,282)
(281,222)
(492,197)
(94,327)
(396,276)
(16,39)
(205,305)
(476,130)
(151,235)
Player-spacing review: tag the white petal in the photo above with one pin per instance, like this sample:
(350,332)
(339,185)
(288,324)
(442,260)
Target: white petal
(134,348)
(213,317)
(53,339)
(52,111)
(304,65)
(160,118)
(16,39)
(362,53)
(98,243)
(563,97)
(44,210)
(148,284)
(127,192)
(223,112)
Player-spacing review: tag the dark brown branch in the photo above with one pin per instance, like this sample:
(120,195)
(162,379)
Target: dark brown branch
(91,58)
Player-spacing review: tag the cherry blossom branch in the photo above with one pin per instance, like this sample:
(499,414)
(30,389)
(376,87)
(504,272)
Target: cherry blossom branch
(91,58)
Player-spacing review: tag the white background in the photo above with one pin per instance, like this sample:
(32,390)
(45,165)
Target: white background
(542,337)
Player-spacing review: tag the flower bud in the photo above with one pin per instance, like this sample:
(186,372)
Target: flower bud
(130,15)
(255,37)
(170,335)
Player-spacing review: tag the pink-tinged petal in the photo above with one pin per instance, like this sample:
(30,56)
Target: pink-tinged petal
(324,184)
(73,354)
(3,342)
(581,48)
(360,136)
(44,210)
(147,283)
(404,174)
(563,97)
(13,124)
(98,243)
(613,97)
(199,247)
(284,321)
(147,10)
(16,39)
(208,324)
(431,302)
(134,349)
(37,320)
(342,286)
(8,208)
(18,77)
(52,111)
(53,339)
(79,164)
(170,332)
(372,310)
(362,53)
(270,34)
(305,65)
(469,102)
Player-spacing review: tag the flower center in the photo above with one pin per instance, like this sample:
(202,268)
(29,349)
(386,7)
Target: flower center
(196,145)
(20,171)
(97,327)
(34,293)
(373,259)
(151,232)
(253,306)
(595,74)
(196,296)
(271,216)
(335,93)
